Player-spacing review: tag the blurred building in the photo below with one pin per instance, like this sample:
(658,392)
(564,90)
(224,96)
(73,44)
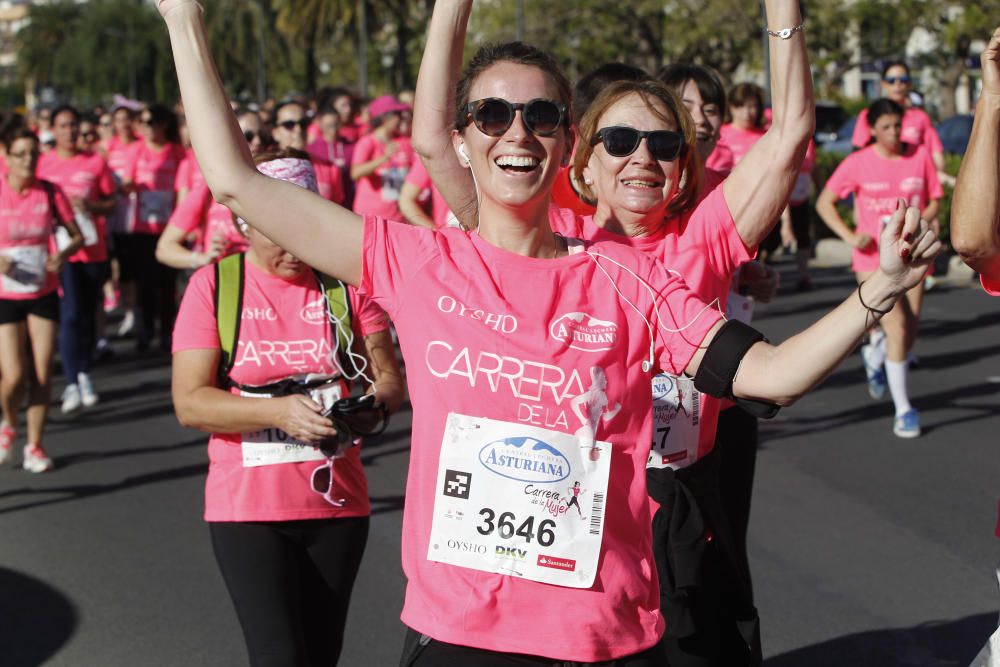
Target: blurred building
(13,17)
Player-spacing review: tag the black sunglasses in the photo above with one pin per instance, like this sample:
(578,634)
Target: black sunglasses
(493,116)
(894,79)
(619,141)
(292,124)
(355,417)
(250,135)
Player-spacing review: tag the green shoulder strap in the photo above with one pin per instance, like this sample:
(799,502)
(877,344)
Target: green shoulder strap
(340,306)
(228,308)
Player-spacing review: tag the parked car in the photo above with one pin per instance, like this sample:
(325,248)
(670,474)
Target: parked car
(839,141)
(829,117)
(954,133)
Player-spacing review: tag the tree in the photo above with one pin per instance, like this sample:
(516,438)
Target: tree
(308,24)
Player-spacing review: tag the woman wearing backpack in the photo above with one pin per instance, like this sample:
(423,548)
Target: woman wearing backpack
(288,520)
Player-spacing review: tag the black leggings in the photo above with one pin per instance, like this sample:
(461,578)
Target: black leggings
(422,651)
(291,585)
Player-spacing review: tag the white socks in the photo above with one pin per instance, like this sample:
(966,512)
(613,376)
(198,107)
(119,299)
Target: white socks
(876,348)
(896,373)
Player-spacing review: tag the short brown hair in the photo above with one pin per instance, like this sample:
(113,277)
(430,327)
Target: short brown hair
(651,91)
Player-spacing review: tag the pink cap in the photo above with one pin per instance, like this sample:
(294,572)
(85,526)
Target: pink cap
(386,104)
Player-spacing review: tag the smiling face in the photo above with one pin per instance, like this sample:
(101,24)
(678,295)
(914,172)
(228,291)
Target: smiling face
(635,185)
(707,117)
(516,169)
(293,136)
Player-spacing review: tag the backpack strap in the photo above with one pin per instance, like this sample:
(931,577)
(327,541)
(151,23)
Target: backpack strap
(229,274)
(50,192)
(339,306)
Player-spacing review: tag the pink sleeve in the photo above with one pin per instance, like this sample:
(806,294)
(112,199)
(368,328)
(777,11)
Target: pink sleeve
(418,175)
(332,177)
(714,230)
(368,315)
(195,327)
(934,189)
(393,253)
(684,320)
(721,159)
(842,181)
(183,179)
(363,150)
(862,135)
(191,213)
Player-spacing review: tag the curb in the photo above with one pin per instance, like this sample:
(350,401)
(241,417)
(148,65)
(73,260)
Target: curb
(830,253)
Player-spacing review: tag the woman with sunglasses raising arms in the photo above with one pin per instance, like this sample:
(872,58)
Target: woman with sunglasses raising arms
(528,358)
(30,211)
(288,519)
(637,158)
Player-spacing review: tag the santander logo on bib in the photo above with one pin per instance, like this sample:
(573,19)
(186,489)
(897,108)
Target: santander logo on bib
(314,312)
(580,331)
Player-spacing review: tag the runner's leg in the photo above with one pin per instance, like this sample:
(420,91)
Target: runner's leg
(42,332)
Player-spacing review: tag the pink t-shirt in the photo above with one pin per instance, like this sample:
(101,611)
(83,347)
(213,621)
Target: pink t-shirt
(188,172)
(480,327)
(26,225)
(378,193)
(419,177)
(917,130)
(154,175)
(877,184)
(283,333)
(992,287)
(329,181)
(119,161)
(87,176)
(201,215)
(337,153)
(734,143)
(703,248)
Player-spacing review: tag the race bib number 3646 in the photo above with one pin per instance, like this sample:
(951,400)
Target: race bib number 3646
(520,500)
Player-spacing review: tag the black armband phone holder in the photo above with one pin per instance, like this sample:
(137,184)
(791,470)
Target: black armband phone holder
(721,362)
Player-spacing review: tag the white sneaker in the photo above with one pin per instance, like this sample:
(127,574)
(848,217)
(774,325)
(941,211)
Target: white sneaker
(88,396)
(71,400)
(35,459)
(127,324)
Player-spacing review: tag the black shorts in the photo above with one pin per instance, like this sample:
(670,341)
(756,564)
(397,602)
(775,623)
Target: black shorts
(801,228)
(13,311)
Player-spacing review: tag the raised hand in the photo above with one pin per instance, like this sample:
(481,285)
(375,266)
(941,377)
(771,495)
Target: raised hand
(907,246)
(990,61)
(167,6)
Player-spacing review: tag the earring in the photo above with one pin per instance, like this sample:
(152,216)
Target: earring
(588,181)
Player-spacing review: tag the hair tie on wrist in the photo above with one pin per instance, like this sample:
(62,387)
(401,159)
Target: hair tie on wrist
(866,306)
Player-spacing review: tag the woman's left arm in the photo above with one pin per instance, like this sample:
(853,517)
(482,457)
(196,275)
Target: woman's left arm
(388,378)
(759,186)
(783,373)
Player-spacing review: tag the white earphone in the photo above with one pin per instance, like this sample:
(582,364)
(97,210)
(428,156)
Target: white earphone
(465,156)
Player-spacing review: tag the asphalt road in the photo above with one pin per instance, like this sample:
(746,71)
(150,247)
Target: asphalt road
(866,549)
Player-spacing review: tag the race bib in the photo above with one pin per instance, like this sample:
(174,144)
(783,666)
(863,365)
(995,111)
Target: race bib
(676,416)
(272,446)
(739,307)
(392,182)
(520,500)
(27,272)
(88,228)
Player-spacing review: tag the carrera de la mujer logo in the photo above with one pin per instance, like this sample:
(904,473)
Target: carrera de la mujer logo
(582,332)
(525,459)
(314,312)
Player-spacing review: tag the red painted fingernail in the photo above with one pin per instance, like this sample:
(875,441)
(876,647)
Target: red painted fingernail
(907,237)
(905,254)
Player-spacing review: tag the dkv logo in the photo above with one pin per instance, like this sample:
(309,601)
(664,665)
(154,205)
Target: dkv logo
(580,331)
(314,312)
(525,459)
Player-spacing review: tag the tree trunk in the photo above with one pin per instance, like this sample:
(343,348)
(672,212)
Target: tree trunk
(310,64)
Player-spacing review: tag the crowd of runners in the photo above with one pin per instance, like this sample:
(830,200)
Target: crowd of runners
(570,270)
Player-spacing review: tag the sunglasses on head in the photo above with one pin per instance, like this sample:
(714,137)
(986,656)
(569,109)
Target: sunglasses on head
(292,124)
(620,141)
(493,116)
(896,79)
